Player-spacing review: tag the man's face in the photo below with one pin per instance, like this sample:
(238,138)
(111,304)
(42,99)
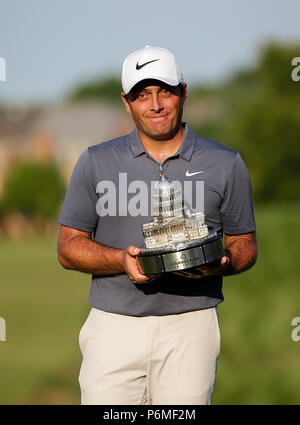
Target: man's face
(156,108)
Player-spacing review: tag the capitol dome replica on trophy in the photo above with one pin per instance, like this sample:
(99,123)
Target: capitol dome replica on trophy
(176,238)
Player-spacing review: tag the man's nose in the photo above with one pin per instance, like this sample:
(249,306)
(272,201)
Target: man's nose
(156,103)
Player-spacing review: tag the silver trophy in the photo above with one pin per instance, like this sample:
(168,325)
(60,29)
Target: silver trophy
(176,238)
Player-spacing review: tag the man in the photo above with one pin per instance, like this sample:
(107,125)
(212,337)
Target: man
(152,340)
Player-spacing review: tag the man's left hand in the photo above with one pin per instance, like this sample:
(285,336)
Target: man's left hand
(216,268)
(240,255)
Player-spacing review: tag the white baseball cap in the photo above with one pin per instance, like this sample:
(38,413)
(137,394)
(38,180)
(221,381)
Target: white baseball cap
(150,63)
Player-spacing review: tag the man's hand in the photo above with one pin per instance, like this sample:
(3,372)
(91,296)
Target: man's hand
(240,255)
(213,269)
(132,267)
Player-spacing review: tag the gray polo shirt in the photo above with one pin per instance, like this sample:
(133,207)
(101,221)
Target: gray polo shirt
(109,194)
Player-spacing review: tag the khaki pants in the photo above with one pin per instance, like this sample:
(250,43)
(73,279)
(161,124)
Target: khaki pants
(149,360)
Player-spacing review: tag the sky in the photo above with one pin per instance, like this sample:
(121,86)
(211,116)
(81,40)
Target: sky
(51,46)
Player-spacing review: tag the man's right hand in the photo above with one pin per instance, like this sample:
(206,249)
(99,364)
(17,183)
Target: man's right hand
(132,267)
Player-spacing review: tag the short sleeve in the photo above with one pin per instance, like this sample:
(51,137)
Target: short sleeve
(79,206)
(237,209)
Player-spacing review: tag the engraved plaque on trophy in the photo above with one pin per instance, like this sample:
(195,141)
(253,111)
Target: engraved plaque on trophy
(176,238)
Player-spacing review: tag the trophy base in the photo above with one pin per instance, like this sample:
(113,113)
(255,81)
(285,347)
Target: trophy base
(181,256)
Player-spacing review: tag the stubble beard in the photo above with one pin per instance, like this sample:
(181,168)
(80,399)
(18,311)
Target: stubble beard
(161,136)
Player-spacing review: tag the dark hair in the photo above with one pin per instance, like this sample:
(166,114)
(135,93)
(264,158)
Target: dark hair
(129,95)
(181,88)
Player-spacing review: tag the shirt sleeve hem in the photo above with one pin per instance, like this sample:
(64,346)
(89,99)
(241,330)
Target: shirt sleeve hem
(239,230)
(74,224)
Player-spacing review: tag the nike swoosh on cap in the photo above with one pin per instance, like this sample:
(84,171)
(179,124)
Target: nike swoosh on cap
(188,174)
(144,64)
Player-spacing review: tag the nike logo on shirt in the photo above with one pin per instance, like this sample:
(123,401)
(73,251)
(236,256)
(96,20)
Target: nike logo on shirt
(144,64)
(188,174)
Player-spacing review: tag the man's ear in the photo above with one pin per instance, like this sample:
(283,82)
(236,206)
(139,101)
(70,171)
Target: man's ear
(125,101)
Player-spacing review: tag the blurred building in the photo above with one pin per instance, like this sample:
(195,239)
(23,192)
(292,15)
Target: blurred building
(60,133)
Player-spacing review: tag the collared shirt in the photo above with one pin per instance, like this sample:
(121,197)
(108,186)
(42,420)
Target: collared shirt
(109,194)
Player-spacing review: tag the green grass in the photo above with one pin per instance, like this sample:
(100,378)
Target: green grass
(44,307)
(259,362)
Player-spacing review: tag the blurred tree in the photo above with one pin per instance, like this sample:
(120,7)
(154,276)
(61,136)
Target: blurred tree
(108,89)
(275,69)
(269,133)
(35,190)
(268,126)
(261,120)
